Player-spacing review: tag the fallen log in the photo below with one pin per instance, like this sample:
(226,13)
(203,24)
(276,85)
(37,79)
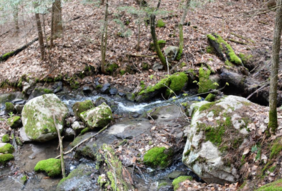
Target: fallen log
(7,55)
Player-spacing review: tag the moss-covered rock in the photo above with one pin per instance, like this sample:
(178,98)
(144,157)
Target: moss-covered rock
(80,107)
(97,117)
(223,50)
(158,157)
(205,83)
(14,122)
(6,138)
(274,186)
(169,85)
(7,97)
(160,23)
(37,117)
(5,158)
(210,97)
(51,166)
(9,107)
(6,148)
(177,181)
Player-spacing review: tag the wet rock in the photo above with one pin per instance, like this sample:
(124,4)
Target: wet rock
(19,108)
(18,102)
(99,101)
(57,87)
(38,91)
(87,89)
(7,98)
(113,91)
(69,133)
(130,96)
(28,86)
(97,117)
(76,126)
(121,94)
(79,179)
(37,117)
(14,122)
(105,89)
(217,131)
(82,106)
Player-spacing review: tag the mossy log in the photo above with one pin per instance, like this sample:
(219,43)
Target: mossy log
(7,55)
(246,85)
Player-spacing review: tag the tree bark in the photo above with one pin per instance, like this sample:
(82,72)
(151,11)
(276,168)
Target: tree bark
(155,39)
(56,23)
(104,40)
(40,34)
(274,69)
(181,40)
(16,18)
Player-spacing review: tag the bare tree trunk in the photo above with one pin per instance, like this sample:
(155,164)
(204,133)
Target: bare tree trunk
(16,18)
(40,35)
(104,40)
(274,69)
(181,41)
(57,22)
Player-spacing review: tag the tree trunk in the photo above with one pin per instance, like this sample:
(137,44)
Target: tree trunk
(104,40)
(56,23)
(40,35)
(155,39)
(274,69)
(16,18)
(181,41)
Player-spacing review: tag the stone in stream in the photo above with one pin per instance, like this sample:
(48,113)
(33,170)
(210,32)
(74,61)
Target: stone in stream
(37,118)
(50,166)
(14,122)
(82,106)
(57,87)
(218,133)
(105,88)
(38,91)
(97,117)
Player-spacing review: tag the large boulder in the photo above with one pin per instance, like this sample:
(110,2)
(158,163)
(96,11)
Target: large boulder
(97,117)
(218,134)
(37,118)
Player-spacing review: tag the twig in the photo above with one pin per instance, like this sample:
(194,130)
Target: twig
(61,148)
(258,90)
(69,151)
(167,65)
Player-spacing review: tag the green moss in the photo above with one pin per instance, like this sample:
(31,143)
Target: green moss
(157,157)
(99,86)
(162,184)
(273,124)
(80,107)
(210,97)
(245,58)
(7,148)
(177,181)
(275,149)
(6,138)
(205,84)
(225,47)
(9,107)
(111,68)
(160,23)
(51,166)
(24,179)
(12,121)
(210,50)
(5,158)
(206,106)
(271,169)
(19,142)
(47,91)
(122,72)
(145,66)
(6,56)
(84,130)
(274,186)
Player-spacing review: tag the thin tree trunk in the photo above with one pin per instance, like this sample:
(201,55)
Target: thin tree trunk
(40,35)
(181,41)
(56,23)
(104,40)
(274,69)
(155,39)
(16,18)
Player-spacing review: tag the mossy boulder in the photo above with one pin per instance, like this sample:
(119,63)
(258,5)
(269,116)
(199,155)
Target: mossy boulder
(9,107)
(6,148)
(217,131)
(51,166)
(5,138)
(177,181)
(37,118)
(5,158)
(14,122)
(172,84)
(97,117)
(223,50)
(79,179)
(80,107)
(158,157)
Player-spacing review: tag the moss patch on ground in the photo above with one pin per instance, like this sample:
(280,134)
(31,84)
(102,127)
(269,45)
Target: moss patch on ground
(177,181)
(6,138)
(5,158)
(51,166)
(7,148)
(160,23)
(158,157)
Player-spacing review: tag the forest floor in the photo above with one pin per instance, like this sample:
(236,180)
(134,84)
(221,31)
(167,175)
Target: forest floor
(247,23)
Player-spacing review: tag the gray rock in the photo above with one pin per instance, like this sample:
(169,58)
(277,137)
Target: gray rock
(113,91)
(37,117)
(77,126)
(105,89)
(57,87)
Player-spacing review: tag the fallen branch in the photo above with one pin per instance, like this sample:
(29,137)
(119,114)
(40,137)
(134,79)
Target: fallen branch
(258,90)
(236,41)
(61,148)
(69,151)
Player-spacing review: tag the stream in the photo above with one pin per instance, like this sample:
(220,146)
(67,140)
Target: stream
(29,154)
